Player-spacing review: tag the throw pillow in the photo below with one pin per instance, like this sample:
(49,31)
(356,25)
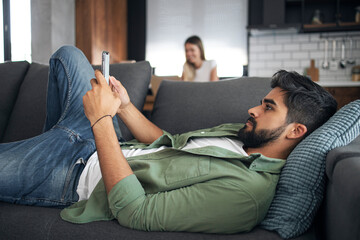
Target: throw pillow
(302,181)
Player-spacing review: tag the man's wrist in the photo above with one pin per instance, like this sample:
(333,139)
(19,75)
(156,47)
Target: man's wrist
(101,119)
(124,109)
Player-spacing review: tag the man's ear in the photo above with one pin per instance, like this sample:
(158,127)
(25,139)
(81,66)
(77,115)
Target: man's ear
(297,131)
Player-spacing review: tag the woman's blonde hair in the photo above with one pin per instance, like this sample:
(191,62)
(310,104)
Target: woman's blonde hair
(189,68)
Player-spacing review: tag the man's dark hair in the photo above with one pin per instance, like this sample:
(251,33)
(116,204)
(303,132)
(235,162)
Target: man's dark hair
(307,102)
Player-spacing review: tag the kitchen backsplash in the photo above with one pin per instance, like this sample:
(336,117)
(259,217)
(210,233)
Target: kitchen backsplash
(271,51)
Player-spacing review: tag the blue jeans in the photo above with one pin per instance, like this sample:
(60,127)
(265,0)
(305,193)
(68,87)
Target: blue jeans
(44,170)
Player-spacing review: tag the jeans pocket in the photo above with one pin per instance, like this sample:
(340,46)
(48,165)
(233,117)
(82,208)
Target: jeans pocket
(70,179)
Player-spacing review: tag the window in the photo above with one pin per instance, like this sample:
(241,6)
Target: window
(1,33)
(20,30)
(220,24)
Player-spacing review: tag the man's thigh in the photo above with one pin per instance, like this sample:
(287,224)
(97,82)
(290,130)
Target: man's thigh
(43,170)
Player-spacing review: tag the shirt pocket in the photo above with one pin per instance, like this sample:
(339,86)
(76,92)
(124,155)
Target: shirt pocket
(187,169)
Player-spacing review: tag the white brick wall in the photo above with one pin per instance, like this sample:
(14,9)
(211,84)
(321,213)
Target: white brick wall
(270,52)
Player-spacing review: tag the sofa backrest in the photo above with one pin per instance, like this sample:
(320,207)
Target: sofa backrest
(11,77)
(185,106)
(23,95)
(28,113)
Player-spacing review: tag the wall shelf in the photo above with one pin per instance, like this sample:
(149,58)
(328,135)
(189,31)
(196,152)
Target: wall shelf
(331,27)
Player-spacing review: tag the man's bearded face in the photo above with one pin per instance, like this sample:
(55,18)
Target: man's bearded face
(255,139)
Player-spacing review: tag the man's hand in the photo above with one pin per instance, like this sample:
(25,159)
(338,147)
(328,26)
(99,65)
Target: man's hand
(117,87)
(141,128)
(101,100)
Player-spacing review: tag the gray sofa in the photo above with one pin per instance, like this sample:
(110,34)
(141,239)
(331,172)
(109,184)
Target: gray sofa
(178,107)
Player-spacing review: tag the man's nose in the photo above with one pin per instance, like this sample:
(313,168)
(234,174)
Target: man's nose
(254,112)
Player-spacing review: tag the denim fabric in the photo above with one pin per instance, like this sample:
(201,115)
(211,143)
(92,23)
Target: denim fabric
(44,170)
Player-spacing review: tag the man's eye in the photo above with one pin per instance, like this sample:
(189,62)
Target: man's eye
(268,107)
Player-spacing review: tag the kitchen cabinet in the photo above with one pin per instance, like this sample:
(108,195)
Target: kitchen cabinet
(336,15)
(344,95)
(265,14)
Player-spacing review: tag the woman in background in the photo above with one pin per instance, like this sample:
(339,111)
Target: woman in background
(196,68)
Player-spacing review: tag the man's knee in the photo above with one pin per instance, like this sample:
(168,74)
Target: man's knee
(67,51)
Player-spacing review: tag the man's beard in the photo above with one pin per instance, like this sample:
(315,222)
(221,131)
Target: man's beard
(252,139)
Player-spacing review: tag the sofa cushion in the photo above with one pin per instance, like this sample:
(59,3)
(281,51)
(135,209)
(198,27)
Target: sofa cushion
(185,106)
(29,108)
(302,181)
(135,77)
(12,74)
(20,222)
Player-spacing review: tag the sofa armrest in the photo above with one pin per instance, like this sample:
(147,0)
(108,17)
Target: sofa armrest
(342,200)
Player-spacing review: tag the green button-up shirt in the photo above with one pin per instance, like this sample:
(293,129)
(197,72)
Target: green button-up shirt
(208,189)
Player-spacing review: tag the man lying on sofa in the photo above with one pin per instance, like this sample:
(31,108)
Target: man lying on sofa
(218,180)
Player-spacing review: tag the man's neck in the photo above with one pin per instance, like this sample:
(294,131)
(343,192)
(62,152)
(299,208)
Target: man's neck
(271,150)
